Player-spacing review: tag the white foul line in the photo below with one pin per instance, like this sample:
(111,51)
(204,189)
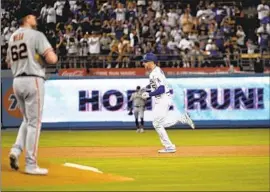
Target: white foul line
(82,167)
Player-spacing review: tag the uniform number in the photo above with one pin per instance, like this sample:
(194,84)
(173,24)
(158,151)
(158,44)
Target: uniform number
(19,52)
(14,103)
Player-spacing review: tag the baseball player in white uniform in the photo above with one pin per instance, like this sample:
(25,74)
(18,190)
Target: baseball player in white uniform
(162,99)
(138,108)
(26,50)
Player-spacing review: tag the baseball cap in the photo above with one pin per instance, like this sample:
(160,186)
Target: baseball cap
(24,11)
(149,57)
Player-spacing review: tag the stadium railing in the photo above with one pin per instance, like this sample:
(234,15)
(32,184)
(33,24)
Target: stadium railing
(133,61)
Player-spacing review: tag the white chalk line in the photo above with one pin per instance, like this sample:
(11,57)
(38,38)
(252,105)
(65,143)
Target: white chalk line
(82,167)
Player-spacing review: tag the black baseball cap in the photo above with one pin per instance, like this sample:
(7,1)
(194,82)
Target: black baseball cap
(24,11)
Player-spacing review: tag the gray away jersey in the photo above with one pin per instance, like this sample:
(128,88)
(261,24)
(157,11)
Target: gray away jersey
(23,45)
(137,99)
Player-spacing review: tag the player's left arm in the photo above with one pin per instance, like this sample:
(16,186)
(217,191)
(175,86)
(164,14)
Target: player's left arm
(44,49)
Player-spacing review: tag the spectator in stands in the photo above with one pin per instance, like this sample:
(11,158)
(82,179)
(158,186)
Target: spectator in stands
(172,17)
(72,49)
(203,38)
(51,17)
(240,34)
(66,11)
(211,48)
(150,11)
(59,6)
(143,22)
(263,11)
(52,38)
(131,11)
(185,47)
(61,48)
(160,34)
(141,3)
(83,49)
(193,36)
(120,12)
(186,21)
(105,42)
(196,55)
(4,48)
(263,37)
(114,53)
(173,50)
(156,5)
(94,48)
(8,30)
(134,38)
(251,47)
(43,14)
(226,28)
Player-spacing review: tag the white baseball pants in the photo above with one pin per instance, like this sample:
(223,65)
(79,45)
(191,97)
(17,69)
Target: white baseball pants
(162,120)
(29,92)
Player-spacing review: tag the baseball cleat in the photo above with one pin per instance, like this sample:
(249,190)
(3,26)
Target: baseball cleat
(141,130)
(138,131)
(36,171)
(14,164)
(167,150)
(189,121)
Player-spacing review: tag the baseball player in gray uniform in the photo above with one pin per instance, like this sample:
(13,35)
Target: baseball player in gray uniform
(138,107)
(27,49)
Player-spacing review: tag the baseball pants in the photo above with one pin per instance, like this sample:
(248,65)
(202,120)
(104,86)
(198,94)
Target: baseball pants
(138,112)
(29,92)
(161,119)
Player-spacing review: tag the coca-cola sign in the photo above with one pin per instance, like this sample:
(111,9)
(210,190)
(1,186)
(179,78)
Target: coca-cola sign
(72,72)
(142,72)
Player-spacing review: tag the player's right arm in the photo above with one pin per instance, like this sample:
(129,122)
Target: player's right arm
(44,48)
(132,97)
(8,57)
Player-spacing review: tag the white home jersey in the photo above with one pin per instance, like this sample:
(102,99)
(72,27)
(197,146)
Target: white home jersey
(158,78)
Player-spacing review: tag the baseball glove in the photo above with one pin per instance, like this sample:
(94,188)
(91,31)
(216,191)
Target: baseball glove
(40,60)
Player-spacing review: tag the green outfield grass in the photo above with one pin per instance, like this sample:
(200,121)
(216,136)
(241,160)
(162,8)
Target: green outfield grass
(216,137)
(166,173)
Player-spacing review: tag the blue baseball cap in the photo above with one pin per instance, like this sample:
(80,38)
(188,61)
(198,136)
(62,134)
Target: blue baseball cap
(149,57)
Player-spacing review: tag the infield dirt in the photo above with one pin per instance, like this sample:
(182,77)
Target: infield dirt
(59,174)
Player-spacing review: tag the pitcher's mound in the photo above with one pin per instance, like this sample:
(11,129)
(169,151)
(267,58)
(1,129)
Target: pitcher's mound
(58,175)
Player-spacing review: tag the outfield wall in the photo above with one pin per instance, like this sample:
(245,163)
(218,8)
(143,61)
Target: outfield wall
(102,103)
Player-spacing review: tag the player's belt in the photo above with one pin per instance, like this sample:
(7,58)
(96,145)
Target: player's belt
(138,106)
(26,75)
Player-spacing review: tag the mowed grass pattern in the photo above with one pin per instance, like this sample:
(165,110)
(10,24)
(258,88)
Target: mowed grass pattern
(165,173)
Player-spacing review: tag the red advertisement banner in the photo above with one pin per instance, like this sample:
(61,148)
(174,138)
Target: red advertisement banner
(141,71)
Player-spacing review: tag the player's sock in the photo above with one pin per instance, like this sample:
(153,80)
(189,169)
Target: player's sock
(183,119)
(137,123)
(142,122)
(164,138)
(19,145)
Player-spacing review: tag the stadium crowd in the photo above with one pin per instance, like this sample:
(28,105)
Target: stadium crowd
(117,33)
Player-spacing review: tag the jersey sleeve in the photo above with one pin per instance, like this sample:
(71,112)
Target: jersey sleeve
(42,45)
(132,97)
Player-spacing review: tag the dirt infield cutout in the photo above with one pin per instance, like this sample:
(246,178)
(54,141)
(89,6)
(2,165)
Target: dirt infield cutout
(58,175)
(69,175)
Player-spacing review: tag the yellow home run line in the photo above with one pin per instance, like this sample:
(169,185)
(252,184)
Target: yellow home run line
(82,167)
